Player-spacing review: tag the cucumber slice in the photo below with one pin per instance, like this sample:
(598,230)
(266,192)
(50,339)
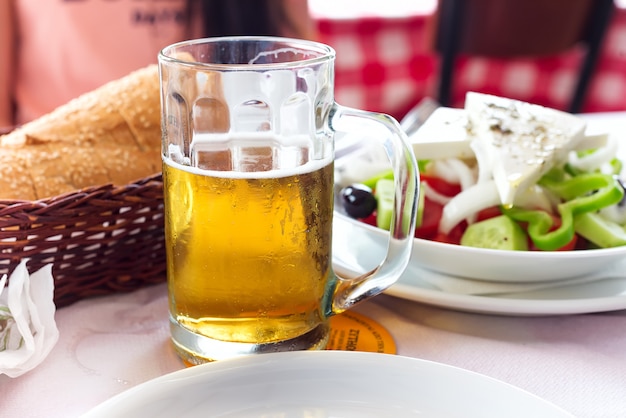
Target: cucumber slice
(499,233)
(384,192)
(603,233)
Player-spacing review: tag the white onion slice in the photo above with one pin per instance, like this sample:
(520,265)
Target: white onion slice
(614,213)
(466,177)
(454,171)
(466,204)
(596,159)
(536,198)
(434,195)
(483,161)
(441,169)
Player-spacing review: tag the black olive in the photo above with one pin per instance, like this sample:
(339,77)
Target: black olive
(358,201)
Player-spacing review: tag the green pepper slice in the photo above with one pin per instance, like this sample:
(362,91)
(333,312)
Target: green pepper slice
(582,194)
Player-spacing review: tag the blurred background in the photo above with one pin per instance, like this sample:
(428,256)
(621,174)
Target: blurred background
(388,56)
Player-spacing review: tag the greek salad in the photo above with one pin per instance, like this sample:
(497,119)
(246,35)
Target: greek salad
(504,174)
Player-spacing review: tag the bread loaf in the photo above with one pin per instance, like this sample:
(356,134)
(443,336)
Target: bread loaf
(109,135)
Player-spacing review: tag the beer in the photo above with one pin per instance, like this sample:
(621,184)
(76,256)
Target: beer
(248,148)
(248,253)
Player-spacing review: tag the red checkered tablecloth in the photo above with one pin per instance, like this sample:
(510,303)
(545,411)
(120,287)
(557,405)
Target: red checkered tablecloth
(385,64)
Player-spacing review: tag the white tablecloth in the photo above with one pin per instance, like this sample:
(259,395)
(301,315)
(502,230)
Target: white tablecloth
(110,344)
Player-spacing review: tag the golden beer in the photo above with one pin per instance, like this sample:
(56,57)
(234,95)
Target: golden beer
(248,139)
(248,253)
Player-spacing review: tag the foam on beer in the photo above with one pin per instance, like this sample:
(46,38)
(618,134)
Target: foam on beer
(249,155)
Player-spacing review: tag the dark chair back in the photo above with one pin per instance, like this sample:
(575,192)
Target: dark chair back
(520,28)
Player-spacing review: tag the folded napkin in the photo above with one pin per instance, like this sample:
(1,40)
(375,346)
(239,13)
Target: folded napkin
(465,286)
(28,330)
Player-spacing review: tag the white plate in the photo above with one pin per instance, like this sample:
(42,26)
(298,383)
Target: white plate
(325,384)
(499,265)
(357,249)
(511,266)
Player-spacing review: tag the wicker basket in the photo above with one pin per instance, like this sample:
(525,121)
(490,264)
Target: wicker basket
(100,240)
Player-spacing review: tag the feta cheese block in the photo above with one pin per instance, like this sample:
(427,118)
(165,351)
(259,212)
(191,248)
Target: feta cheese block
(520,141)
(443,135)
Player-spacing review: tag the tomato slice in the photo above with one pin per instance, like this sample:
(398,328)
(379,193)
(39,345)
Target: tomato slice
(454,237)
(491,212)
(429,228)
(430,220)
(441,186)
(370,220)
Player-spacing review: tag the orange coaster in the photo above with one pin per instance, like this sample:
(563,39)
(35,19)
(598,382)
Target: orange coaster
(351,331)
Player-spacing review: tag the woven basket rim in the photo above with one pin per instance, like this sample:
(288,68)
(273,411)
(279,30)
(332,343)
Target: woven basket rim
(101,239)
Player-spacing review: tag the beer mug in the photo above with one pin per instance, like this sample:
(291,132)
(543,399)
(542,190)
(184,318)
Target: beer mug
(248,128)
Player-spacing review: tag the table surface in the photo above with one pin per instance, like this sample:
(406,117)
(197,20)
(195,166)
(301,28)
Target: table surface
(110,344)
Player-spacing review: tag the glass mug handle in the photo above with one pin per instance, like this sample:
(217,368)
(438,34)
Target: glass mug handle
(348,292)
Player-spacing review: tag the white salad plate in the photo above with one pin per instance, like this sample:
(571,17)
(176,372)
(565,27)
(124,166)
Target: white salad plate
(495,281)
(357,248)
(325,384)
(500,265)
